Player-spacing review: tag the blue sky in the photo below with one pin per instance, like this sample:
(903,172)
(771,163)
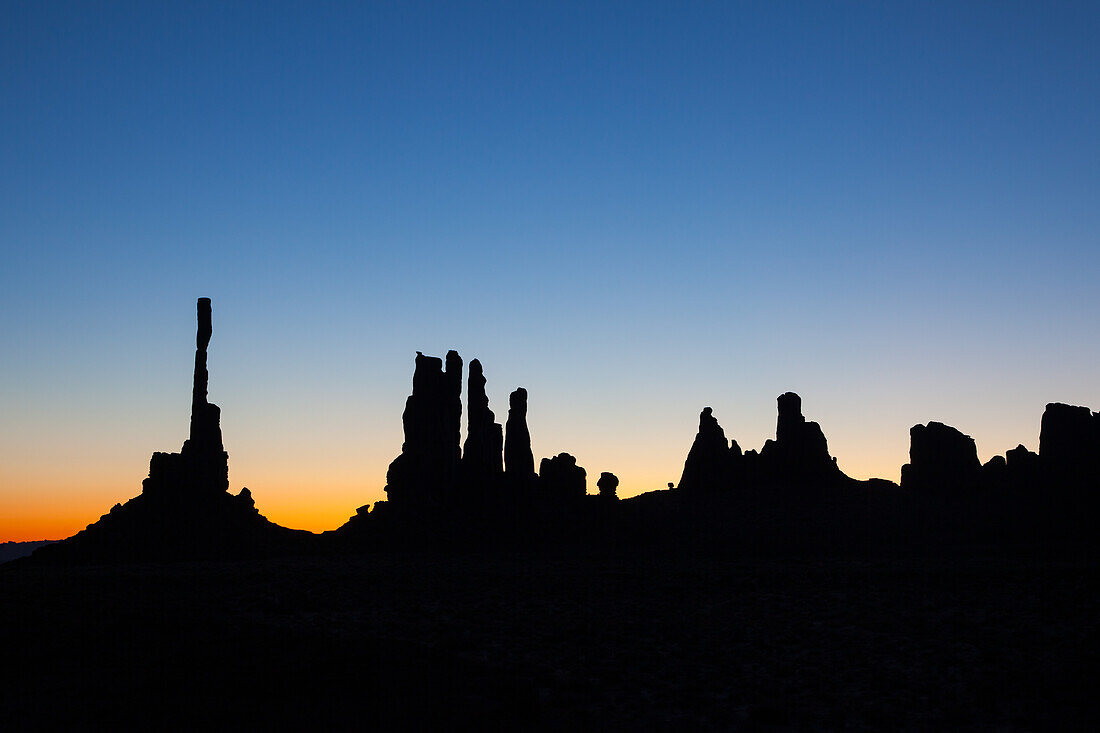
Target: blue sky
(631,209)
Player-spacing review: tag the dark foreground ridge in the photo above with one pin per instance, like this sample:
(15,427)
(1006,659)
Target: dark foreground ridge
(789,497)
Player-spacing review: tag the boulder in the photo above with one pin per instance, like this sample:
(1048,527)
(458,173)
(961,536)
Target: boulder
(608,485)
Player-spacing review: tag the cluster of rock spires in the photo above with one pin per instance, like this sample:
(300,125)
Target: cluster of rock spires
(439,490)
(944,461)
(495,466)
(798,455)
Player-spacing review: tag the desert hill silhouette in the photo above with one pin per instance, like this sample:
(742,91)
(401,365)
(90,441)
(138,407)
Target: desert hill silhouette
(788,496)
(185,510)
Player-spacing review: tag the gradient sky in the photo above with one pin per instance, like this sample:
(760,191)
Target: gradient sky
(632,209)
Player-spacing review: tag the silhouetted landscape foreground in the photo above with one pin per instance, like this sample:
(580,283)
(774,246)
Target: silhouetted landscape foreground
(767,590)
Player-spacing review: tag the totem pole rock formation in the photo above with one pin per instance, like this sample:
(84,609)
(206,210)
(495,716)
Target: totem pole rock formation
(427,468)
(184,510)
(202,466)
(561,479)
(942,460)
(482,453)
(519,461)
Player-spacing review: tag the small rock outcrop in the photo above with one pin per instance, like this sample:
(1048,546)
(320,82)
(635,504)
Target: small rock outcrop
(519,461)
(1024,469)
(427,468)
(942,460)
(608,486)
(561,480)
(482,453)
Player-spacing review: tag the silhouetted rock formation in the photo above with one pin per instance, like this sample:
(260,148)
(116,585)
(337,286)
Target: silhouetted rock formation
(482,455)
(798,457)
(202,466)
(1023,470)
(941,460)
(799,453)
(426,470)
(708,462)
(791,494)
(519,461)
(1069,444)
(608,485)
(184,510)
(994,473)
(561,480)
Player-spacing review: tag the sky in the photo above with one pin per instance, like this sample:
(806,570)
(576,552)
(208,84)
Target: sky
(634,210)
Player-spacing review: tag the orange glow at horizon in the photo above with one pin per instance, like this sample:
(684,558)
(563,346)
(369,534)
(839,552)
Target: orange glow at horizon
(55,509)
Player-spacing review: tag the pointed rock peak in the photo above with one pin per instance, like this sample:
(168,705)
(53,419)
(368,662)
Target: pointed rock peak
(707,465)
(482,453)
(708,424)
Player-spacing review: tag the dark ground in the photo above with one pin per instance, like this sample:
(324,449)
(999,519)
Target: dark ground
(553,642)
(14,550)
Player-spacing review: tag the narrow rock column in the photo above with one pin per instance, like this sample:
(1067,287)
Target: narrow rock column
(519,461)
(483,452)
(788,427)
(452,416)
(205,432)
(208,463)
